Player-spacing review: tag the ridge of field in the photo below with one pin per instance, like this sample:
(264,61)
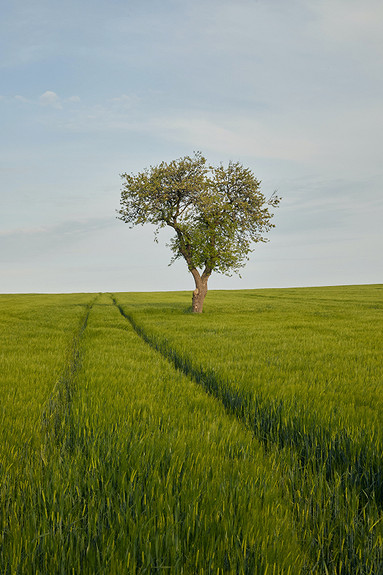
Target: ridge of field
(36,336)
(302,368)
(143,472)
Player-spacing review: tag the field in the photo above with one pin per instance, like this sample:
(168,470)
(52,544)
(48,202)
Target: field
(136,437)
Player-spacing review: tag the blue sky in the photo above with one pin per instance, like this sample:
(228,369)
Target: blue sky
(91,89)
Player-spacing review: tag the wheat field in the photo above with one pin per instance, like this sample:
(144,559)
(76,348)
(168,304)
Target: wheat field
(137,437)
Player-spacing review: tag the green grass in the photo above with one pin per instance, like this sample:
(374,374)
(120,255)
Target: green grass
(37,344)
(302,369)
(136,437)
(36,336)
(324,344)
(139,470)
(184,486)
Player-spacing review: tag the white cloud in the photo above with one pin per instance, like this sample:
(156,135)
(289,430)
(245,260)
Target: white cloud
(21,99)
(239,135)
(50,99)
(110,115)
(23,231)
(126,101)
(68,227)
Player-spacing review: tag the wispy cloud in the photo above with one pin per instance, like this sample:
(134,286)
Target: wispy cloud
(125,100)
(19,98)
(250,136)
(50,99)
(25,231)
(105,110)
(31,242)
(67,227)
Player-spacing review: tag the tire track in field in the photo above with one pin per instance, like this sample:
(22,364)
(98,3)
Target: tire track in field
(334,458)
(57,416)
(265,418)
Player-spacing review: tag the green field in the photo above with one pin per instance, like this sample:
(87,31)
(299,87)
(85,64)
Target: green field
(137,437)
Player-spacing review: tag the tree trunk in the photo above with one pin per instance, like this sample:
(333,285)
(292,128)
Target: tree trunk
(200,291)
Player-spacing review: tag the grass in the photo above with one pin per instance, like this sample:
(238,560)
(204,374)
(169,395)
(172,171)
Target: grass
(36,335)
(137,437)
(302,369)
(140,470)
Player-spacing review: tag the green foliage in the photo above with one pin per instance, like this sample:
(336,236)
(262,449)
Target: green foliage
(217,213)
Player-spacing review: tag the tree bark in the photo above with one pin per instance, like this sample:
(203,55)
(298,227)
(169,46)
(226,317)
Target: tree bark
(200,281)
(200,291)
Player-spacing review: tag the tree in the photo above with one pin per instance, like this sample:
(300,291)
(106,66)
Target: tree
(217,213)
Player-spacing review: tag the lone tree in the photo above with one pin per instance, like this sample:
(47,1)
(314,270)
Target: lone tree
(215,212)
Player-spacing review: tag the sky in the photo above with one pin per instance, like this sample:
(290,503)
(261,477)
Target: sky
(90,89)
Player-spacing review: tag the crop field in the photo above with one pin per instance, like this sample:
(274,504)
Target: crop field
(137,437)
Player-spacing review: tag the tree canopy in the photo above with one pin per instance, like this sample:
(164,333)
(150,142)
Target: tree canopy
(217,213)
